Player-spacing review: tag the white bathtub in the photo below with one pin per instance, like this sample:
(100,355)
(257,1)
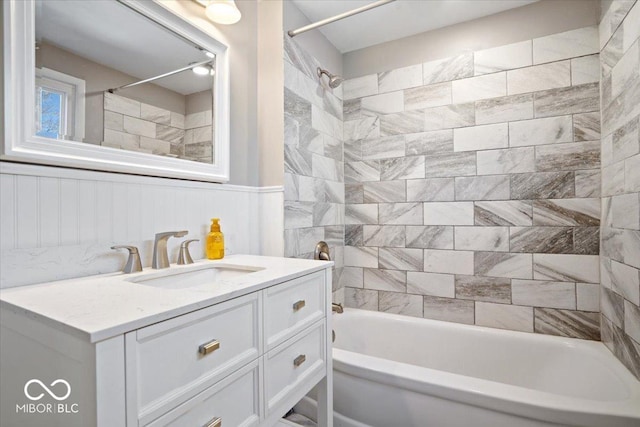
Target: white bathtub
(397,371)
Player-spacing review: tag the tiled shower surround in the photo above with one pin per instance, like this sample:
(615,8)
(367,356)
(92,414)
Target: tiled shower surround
(620,269)
(472,187)
(313,154)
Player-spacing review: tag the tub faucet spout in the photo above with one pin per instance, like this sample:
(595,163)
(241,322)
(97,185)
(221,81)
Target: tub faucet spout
(336,308)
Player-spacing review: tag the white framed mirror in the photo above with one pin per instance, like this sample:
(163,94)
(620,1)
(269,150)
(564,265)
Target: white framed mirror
(116,85)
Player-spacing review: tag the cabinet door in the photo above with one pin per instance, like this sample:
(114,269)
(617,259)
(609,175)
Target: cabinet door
(233,402)
(172,361)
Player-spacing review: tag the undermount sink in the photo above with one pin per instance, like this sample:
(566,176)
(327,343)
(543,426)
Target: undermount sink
(197,276)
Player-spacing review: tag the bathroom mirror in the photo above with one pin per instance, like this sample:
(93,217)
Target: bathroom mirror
(123,86)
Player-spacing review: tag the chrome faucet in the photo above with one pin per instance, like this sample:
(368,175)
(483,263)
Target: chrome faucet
(160,255)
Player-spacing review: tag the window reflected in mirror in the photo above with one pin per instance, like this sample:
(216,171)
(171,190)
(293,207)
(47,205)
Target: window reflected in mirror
(108,76)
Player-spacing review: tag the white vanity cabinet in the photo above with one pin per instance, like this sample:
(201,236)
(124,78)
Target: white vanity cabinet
(242,362)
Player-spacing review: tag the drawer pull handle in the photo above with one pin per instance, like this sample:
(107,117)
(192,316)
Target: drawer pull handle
(299,360)
(298,305)
(209,347)
(216,422)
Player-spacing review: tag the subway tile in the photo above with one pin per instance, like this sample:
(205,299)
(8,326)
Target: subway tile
(401,259)
(361,86)
(122,105)
(326,168)
(631,26)
(586,240)
(113,120)
(400,213)
(625,73)
(364,299)
(448,116)
(328,214)
(612,52)
(351,109)
(613,17)
(626,211)
(504,316)
(361,214)
(588,297)
(626,281)
(567,323)
(444,70)
(401,123)
(358,256)
(542,185)
(482,87)
(512,160)
(157,146)
(400,78)
(332,104)
(612,306)
(383,148)
(505,109)
(507,57)
(567,212)
(571,268)
(430,190)
(384,235)
(569,156)
(326,123)
(411,167)
(576,99)
(386,103)
(586,127)
(494,187)
(427,96)
(494,239)
(548,240)
(585,69)
(385,280)
(139,127)
(432,284)
(298,214)
(511,212)
(353,235)
(386,191)
(399,303)
(448,213)
(435,142)
(498,264)
(352,277)
(450,165)
(621,109)
(429,237)
(365,128)
(362,171)
(539,77)
(450,262)
(626,141)
(632,320)
(613,179)
(449,309)
(569,44)
(550,130)
(622,245)
(539,293)
(490,289)
(294,106)
(122,140)
(632,173)
(481,137)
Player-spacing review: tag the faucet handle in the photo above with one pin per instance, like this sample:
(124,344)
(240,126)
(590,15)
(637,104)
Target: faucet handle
(184,257)
(133,264)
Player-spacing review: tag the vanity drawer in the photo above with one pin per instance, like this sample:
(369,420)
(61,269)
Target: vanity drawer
(167,363)
(291,368)
(235,401)
(292,306)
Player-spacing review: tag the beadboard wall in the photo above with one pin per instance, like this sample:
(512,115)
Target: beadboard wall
(58,223)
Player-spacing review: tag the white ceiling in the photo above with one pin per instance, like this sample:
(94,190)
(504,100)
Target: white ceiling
(395,20)
(117,37)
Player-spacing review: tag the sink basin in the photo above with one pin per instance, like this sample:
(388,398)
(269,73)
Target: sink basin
(198,276)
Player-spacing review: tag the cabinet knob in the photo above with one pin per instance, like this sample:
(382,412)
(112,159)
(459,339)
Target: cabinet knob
(298,305)
(216,422)
(299,360)
(209,347)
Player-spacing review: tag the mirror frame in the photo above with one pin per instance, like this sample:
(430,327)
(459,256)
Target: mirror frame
(22,145)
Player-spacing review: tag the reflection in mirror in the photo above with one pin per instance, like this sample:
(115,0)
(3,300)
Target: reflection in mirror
(108,76)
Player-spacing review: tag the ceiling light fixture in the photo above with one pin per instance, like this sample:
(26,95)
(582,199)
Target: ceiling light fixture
(221,11)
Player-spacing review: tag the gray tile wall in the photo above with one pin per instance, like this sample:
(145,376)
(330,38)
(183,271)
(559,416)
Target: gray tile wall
(620,228)
(472,187)
(314,165)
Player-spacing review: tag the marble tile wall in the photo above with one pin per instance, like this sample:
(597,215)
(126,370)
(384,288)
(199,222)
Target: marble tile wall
(620,222)
(472,187)
(314,207)
(136,126)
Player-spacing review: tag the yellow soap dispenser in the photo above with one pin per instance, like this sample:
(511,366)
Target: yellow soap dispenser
(215,241)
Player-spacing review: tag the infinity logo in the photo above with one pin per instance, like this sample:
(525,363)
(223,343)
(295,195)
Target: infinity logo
(51,393)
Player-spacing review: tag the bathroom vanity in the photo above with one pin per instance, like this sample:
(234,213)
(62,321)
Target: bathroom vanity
(235,342)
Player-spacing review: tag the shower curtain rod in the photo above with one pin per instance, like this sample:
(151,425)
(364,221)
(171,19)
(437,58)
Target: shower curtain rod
(170,73)
(293,33)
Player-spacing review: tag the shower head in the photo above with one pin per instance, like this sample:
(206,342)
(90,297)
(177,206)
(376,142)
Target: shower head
(334,79)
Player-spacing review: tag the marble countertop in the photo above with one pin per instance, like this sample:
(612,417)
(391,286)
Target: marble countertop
(96,308)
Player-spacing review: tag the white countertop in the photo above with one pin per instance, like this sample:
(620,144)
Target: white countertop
(100,307)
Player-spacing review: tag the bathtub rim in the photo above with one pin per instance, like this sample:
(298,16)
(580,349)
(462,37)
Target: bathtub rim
(507,398)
